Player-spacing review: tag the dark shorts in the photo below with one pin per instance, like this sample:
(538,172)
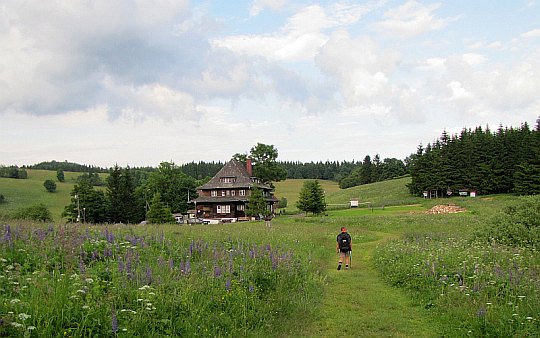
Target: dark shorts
(344,250)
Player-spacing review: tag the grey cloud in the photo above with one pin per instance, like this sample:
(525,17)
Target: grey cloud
(62,60)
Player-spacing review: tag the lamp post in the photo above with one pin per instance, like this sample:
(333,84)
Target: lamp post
(78,209)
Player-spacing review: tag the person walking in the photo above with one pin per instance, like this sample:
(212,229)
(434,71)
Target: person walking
(343,248)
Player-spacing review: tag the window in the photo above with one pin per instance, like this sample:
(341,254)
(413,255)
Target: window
(223,209)
(242,193)
(233,192)
(227,179)
(240,207)
(222,192)
(214,193)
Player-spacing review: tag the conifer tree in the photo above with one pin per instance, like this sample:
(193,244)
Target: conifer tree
(159,212)
(311,198)
(257,204)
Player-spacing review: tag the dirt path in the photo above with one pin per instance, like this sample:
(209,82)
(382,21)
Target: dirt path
(357,303)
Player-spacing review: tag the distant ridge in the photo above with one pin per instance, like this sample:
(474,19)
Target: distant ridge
(67,166)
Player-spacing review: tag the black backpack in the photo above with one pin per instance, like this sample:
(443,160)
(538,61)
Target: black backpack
(344,241)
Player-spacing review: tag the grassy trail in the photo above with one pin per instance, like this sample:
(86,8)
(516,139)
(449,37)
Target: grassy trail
(357,302)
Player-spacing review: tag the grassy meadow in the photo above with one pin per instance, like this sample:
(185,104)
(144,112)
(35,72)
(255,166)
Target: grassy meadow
(22,193)
(412,274)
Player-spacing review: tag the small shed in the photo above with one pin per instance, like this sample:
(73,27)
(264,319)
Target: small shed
(354,202)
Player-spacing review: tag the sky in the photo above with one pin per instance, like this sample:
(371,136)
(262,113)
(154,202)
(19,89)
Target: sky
(137,83)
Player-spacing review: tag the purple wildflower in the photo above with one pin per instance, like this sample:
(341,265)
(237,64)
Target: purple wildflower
(228,284)
(274,261)
(481,312)
(187,268)
(107,252)
(476,287)
(251,288)
(82,267)
(120,265)
(217,271)
(114,321)
(109,236)
(149,277)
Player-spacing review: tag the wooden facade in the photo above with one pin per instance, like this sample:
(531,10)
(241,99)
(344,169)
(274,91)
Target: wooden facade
(227,194)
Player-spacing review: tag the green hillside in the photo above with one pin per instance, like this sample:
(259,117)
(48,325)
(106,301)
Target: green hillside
(386,193)
(391,192)
(291,188)
(23,193)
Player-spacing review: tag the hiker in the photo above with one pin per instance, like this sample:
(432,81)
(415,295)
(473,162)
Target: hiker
(343,247)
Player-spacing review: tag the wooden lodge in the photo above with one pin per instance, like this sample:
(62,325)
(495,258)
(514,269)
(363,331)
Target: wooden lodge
(226,195)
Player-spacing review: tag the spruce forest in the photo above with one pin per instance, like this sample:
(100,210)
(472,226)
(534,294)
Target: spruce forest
(504,161)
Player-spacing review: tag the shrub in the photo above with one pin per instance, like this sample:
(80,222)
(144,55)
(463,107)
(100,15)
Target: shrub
(2,198)
(283,202)
(37,212)
(517,225)
(50,185)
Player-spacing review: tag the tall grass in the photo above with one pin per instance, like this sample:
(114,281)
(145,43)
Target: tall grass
(475,288)
(105,281)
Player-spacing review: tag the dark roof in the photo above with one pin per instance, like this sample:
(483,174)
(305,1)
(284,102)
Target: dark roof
(236,171)
(228,199)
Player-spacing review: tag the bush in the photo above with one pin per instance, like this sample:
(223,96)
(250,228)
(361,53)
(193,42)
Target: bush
(517,225)
(50,185)
(283,202)
(2,198)
(37,212)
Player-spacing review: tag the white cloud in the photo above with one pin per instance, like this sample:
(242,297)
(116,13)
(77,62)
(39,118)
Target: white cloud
(301,37)
(457,91)
(410,19)
(535,33)
(259,5)
(358,65)
(474,59)
(153,100)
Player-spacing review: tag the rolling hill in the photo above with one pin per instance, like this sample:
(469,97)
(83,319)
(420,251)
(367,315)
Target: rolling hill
(22,193)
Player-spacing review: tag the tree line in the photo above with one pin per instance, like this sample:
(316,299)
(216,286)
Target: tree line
(504,161)
(13,172)
(67,166)
(346,173)
(132,196)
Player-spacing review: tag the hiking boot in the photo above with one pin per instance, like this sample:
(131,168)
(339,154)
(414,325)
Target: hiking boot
(339,267)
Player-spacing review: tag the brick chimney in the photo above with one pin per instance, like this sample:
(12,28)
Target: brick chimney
(249,168)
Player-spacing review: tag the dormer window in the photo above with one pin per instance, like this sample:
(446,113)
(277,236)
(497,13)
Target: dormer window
(227,179)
